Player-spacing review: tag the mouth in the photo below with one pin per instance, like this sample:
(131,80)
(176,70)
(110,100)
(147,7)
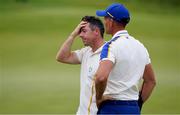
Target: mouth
(84,40)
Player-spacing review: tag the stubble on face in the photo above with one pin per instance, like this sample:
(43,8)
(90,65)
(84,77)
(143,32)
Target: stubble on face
(86,35)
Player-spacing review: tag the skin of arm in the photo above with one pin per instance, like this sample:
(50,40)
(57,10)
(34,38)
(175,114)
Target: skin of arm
(149,83)
(65,55)
(101,76)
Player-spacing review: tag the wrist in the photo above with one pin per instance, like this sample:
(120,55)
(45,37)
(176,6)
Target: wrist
(98,97)
(73,35)
(140,102)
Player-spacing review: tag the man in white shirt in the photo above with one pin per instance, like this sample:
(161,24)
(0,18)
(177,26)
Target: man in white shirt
(124,61)
(91,31)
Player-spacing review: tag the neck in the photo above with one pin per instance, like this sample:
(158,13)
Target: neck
(117,27)
(97,44)
(116,30)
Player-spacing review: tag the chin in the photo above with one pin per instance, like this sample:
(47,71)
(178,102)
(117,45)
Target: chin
(107,32)
(86,44)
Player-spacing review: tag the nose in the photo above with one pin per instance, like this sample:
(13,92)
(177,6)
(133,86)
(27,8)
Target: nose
(81,35)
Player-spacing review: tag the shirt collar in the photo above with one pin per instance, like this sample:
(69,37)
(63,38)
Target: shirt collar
(120,33)
(97,51)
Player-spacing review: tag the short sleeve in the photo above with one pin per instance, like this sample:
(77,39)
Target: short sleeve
(148,60)
(107,52)
(80,53)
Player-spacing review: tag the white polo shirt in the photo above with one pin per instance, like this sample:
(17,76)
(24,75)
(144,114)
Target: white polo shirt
(89,65)
(129,57)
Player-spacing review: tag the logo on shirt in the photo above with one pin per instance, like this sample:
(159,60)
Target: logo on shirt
(90,69)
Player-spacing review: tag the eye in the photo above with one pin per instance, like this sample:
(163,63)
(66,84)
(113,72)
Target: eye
(83,30)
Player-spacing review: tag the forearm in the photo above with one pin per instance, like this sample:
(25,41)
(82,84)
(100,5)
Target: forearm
(65,50)
(100,86)
(148,83)
(147,90)
(101,76)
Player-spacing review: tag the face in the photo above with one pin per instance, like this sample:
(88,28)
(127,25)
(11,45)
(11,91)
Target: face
(87,35)
(108,24)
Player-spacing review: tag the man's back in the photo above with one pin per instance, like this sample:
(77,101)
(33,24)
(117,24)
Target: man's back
(123,62)
(130,58)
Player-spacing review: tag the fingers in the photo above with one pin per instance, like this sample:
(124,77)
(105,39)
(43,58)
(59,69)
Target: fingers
(77,30)
(104,98)
(98,103)
(82,24)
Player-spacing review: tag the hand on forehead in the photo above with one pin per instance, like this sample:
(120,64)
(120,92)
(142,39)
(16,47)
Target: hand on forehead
(84,24)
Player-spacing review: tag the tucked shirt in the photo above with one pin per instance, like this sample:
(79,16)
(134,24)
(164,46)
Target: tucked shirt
(129,57)
(89,65)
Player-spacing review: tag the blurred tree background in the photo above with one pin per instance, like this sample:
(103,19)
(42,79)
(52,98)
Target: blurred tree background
(31,31)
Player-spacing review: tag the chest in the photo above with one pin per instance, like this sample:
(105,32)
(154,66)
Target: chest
(90,64)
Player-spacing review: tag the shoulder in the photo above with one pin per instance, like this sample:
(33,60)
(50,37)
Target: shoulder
(139,43)
(82,51)
(85,49)
(117,42)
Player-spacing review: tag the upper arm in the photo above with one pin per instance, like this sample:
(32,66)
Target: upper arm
(108,52)
(104,69)
(107,58)
(74,57)
(148,74)
(71,59)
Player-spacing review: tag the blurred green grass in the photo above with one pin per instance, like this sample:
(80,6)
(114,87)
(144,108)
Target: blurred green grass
(31,81)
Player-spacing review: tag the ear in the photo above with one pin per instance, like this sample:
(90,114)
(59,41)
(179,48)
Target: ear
(111,23)
(96,31)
